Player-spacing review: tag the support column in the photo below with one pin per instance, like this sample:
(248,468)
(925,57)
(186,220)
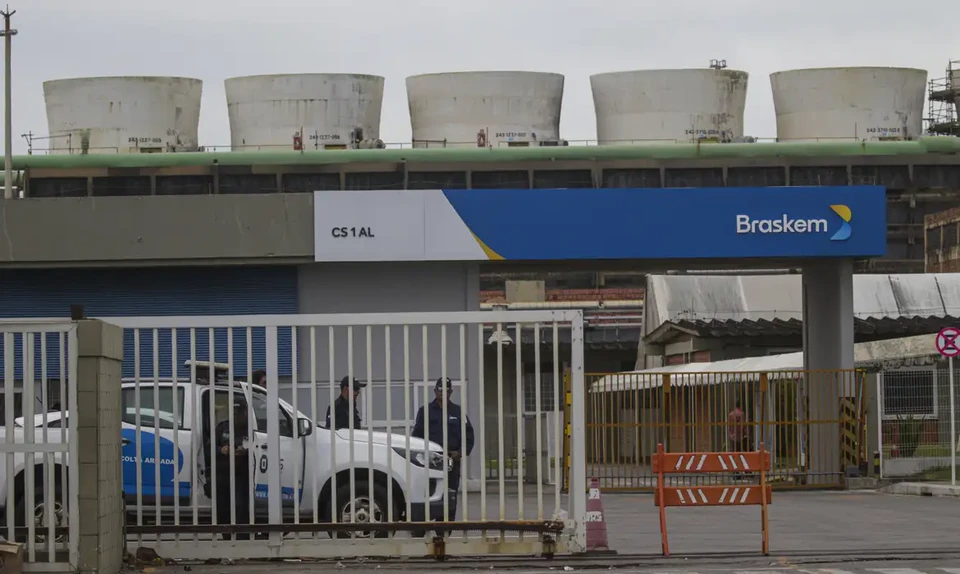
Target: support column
(98,412)
(827,349)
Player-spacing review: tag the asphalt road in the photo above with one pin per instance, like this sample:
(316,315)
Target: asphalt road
(913,566)
(805,527)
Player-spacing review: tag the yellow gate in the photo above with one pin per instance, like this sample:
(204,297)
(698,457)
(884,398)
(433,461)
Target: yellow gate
(812,423)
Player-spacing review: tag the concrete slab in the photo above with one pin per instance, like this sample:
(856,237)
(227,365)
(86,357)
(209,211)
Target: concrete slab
(923,489)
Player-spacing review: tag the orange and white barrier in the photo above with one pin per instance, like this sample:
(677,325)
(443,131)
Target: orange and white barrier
(721,495)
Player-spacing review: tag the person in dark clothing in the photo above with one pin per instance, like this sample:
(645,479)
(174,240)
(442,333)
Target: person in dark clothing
(241,476)
(260,377)
(341,406)
(455,441)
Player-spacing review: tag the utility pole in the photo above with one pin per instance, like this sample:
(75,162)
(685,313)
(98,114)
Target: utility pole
(8,34)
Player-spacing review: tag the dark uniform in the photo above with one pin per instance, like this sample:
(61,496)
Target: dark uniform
(455,441)
(241,477)
(341,406)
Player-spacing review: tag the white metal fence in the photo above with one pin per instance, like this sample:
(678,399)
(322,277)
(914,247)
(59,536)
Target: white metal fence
(202,480)
(916,418)
(38,495)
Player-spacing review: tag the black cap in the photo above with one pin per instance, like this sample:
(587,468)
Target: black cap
(345,382)
(444,381)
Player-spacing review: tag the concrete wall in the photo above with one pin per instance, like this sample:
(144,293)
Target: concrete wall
(239,228)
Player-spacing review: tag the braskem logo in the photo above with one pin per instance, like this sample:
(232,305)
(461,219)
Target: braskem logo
(787,224)
(845,230)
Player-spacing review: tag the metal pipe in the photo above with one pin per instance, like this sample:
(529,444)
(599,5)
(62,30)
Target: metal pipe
(592,305)
(8,34)
(736,272)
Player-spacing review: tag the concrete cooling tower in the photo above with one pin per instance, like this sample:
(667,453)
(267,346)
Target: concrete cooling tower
(485,109)
(304,111)
(135,114)
(656,106)
(839,104)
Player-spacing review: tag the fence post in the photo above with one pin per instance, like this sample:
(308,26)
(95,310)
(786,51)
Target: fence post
(98,412)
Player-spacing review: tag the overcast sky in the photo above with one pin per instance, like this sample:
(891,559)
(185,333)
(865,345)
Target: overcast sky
(217,39)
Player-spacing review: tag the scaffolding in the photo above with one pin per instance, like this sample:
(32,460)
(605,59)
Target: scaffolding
(944,100)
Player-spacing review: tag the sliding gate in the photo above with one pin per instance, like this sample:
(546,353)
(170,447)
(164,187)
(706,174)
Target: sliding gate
(214,467)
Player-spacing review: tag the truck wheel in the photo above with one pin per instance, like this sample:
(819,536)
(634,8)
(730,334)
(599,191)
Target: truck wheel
(368,506)
(37,512)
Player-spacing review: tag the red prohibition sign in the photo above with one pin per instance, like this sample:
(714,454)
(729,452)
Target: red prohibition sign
(948,344)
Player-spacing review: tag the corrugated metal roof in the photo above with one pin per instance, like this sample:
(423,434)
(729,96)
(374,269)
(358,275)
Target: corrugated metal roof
(922,146)
(768,297)
(888,354)
(863,329)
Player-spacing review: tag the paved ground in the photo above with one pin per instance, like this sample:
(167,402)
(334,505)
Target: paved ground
(803,525)
(821,522)
(909,566)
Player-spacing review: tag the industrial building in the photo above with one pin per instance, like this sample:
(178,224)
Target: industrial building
(485,109)
(306,129)
(304,111)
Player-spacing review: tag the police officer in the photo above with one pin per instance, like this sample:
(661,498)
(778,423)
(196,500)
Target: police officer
(240,501)
(341,406)
(455,442)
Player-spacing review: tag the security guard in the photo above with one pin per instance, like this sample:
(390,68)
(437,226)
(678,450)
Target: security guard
(241,477)
(341,406)
(454,447)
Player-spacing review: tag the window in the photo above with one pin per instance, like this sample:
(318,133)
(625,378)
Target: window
(260,409)
(909,392)
(161,415)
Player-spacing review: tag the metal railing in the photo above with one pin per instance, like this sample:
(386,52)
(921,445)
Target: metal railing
(285,478)
(811,422)
(39,504)
(915,422)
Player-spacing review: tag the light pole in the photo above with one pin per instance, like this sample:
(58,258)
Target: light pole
(8,34)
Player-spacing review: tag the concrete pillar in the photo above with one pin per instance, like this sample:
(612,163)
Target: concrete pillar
(827,348)
(98,413)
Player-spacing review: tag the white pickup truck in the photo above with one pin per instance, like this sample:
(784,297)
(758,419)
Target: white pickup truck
(304,458)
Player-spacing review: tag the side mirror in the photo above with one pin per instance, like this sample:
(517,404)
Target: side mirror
(304,428)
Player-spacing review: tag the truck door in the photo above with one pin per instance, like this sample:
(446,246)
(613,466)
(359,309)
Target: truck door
(158,427)
(290,458)
(206,456)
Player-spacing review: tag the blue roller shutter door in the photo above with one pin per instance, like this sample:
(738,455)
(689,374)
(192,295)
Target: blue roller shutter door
(150,292)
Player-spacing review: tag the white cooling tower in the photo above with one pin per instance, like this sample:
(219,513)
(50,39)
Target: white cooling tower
(333,110)
(131,114)
(849,103)
(481,109)
(656,106)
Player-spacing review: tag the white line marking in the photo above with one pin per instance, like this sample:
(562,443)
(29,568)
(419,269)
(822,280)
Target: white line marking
(733,496)
(950,570)
(680,494)
(733,462)
(693,498)
(690,463)
(703,496)
(722,463)
(743,498)
(703,459)
(894,570)
(743,459)
(679,462)
(723,495)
